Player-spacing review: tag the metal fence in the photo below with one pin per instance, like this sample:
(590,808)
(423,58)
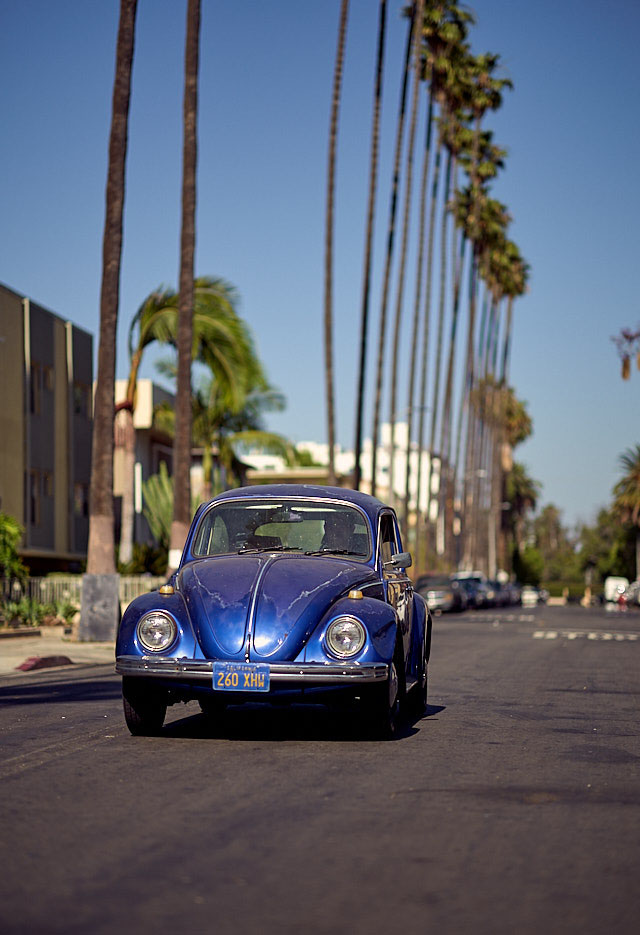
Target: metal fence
(68,588)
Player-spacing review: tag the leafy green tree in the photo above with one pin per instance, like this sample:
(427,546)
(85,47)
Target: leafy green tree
(157,495)
(557,547)
(607,547)
(528,565)
(11,566)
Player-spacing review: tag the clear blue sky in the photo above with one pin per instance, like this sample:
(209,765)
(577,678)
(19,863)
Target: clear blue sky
(571,183)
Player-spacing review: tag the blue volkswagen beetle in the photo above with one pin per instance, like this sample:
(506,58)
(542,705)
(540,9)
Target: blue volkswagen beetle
(283,593)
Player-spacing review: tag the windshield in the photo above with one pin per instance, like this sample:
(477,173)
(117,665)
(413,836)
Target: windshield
(312,528)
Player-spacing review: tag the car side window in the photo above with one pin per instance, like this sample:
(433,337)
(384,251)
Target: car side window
(388,545)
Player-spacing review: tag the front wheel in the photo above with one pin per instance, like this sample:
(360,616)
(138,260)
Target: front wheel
(382,706)
(419,692)
(213,708)
(144,706)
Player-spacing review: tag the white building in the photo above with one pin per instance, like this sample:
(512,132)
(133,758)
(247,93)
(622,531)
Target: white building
(344,461)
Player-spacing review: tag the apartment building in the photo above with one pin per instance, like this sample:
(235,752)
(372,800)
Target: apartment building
(46,375)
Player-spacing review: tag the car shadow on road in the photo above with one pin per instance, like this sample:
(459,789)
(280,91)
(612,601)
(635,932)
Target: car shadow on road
(91,687)
(286,723)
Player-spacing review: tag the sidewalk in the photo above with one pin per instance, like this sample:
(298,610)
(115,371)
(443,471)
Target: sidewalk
(52,646)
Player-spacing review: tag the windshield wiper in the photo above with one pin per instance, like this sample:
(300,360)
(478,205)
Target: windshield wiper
(326,551)
(270,548)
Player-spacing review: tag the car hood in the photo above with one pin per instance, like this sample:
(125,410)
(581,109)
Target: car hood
(275,601)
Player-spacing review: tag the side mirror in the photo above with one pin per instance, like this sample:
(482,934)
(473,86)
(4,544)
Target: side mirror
(400,560)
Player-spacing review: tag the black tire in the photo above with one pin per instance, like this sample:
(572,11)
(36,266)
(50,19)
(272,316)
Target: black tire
(419,692)
(212,707)
(144,706)
(383,706)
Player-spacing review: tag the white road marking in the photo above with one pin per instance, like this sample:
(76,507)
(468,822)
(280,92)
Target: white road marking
(577,634)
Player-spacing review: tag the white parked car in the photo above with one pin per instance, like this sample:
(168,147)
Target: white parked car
(613,587)
(529,596)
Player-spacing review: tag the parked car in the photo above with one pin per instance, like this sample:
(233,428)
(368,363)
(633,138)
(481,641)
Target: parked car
(442,593)
(614,587)
(529,596)
(499,596)
(633,593)
(283,593)
(476,587)
(470,590)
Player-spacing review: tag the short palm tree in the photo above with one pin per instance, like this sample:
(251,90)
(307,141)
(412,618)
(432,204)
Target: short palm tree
(627,494)
(220,340)
(222,423)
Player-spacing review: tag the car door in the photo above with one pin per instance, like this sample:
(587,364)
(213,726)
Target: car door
(398,586)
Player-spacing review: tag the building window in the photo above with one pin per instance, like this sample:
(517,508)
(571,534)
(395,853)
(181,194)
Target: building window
(81,399)
(47,379)
(47,484)
(80,500)
(35,378)
(33,498)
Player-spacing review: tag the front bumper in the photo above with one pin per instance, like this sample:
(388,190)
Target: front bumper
(201,670)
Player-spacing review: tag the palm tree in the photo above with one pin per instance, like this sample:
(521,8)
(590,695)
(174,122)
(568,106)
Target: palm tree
(444,29)
(100,556)
(182,465)
(628,344)
(418,69)
(328,269)
(522,496)
(220,341)
(373,177)
(389,252)
(223,426)
(627,494)
(150,323)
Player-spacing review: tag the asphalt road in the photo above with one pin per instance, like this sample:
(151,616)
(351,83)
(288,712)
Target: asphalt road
(513,807)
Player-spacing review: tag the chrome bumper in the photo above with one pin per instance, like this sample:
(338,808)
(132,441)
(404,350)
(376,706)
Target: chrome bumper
(201,670)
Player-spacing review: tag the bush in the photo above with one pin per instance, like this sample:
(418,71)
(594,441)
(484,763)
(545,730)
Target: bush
(26,612)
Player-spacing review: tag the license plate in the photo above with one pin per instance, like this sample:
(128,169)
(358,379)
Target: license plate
(240,677)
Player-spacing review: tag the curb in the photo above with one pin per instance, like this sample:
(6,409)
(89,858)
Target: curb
(20,631)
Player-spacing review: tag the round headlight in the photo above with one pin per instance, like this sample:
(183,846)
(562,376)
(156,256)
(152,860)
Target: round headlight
(157,631)
(345,636)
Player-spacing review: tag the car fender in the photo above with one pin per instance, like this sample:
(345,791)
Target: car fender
(185,643)
(379,619)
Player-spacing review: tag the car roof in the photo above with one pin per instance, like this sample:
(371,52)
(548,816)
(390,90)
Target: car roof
(370,505)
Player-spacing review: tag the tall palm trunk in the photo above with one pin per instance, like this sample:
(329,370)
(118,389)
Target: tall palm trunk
(467,415)
(447,481)
(422,407)
(403,254)
(100,557)
(441,310)
(411,403)
(366,288)
(328,269)
(375,434)
(182,466)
